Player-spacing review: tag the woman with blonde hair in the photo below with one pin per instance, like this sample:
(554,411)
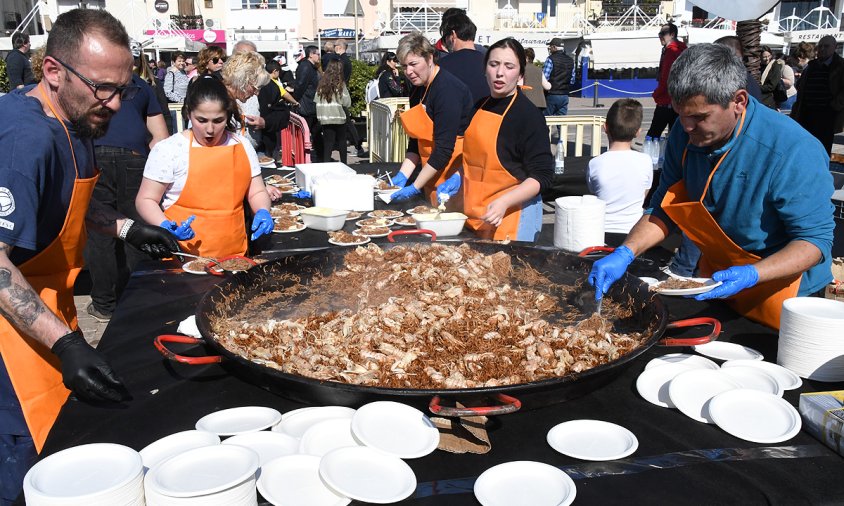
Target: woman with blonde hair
(332,100)
(244,74)
(440,110)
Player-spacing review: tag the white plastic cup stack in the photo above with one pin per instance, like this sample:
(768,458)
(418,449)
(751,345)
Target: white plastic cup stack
(99,474)
(811,341)
(579,222)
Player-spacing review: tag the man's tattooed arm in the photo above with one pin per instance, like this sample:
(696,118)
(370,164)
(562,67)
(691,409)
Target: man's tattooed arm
(22,307)
(104,219)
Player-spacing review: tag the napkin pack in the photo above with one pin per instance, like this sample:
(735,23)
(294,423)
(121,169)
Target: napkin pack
(823,417)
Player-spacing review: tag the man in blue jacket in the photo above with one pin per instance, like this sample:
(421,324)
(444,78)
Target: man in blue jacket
(746,184)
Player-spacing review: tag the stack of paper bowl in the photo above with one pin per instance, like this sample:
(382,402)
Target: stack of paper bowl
(100,474)
(810,342)
(219,475)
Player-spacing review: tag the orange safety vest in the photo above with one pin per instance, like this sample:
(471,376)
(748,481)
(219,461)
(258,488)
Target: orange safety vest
(34,371)
(485,179)
(218,180)
(761,303)
(419,126)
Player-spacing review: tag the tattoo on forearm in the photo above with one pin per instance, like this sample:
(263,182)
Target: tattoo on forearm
(22,306)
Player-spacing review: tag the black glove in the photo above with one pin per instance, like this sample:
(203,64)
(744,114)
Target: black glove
(154,241)
(85,371)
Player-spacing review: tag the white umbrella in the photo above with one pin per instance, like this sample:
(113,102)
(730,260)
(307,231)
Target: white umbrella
(737,10)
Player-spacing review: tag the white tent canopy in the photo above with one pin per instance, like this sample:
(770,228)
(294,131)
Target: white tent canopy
(618,50)
(737,10)
(171,43)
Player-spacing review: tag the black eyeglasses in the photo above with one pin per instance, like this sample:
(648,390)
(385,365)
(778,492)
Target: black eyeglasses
(104,92)
(216,60)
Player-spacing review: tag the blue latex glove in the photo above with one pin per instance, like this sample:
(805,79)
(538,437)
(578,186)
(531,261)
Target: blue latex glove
(733,280)
(399,180)
(262,223)
(301,194)
(451,185)
(609,269)
(181,232)
(405,193)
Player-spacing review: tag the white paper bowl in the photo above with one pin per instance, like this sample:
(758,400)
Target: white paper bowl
(323,218)
(446,225)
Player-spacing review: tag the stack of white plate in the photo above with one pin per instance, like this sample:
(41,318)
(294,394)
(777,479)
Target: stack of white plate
(810,342)
(100,474)
(219,475)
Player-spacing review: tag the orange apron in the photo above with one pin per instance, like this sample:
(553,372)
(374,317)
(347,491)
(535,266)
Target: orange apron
(218,180)
(419,126)
(485,179)
(33,369)
(761,303)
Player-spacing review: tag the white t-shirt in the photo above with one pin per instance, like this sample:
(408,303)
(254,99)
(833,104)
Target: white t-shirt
(620,178)
(168,163)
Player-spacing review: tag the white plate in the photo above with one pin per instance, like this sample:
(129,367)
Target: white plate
(298,229)
(230,422)
(410,211)
(754,378)
(524,482)
(356,216)
(294,480)
(298,423)
(653,383)
(327,435)
(692,390)
(723,350)
(268,445)
(396,429)
(788,380)
(288,414)
(649,281)
(401,224)
(203,471)
(372,236)
(192,271)
(690,291)
(755,416)
(592,440)
(393,214)
(174,444)
(365,474)
(387,222)
(687,359)
(346,244)
(90,470)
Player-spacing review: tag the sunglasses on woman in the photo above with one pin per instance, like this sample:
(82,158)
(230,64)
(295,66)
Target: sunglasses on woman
(216,60)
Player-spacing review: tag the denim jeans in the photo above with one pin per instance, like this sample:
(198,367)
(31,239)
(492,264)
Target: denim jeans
(556,105)
(684,262)
(109,260)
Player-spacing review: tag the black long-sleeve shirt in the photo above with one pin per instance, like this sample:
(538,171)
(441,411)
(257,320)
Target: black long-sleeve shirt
(522,145)
(449,105)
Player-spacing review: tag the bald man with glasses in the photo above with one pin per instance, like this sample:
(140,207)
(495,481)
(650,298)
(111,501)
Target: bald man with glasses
(47,176)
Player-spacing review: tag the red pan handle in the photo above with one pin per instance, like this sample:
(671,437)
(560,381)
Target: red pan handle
(421,231)
(175,338)
(692,341)
(510,405)
(221,272)
(593,249)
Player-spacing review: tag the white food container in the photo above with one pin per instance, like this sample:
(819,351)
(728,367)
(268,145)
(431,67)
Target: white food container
(307,172)
(323,218)
(444,224)
(351,192)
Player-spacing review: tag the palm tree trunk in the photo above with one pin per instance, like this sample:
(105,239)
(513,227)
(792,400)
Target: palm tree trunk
(750,34)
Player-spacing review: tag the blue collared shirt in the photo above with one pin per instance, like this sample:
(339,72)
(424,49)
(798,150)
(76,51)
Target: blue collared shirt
(773,187)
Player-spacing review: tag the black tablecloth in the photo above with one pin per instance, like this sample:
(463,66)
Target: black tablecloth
(679,461)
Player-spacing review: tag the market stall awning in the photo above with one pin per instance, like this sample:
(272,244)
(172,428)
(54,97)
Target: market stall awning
(704,35)
(624,50)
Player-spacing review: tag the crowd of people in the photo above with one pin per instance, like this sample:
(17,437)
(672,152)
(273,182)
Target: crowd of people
(746,186)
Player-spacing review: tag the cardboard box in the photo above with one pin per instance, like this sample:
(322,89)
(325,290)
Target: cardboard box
(823,417)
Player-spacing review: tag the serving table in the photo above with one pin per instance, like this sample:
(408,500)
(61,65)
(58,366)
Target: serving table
(679,461)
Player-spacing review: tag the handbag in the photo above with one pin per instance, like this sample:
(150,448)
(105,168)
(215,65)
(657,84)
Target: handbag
(779,93)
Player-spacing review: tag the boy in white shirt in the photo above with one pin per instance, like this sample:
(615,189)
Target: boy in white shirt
(621,177)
